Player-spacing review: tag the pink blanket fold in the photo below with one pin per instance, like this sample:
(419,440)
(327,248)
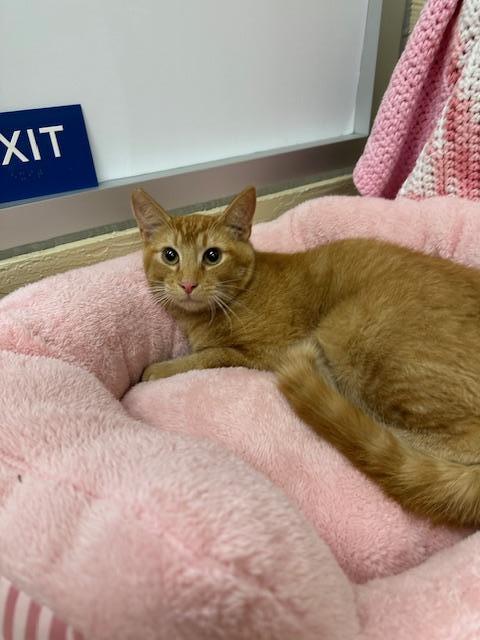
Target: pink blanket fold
(199,507)
(426,135)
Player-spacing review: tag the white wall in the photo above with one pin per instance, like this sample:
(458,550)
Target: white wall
(170,84)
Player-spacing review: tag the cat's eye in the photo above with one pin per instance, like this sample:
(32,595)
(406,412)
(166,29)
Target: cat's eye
(212,255)
(170,255)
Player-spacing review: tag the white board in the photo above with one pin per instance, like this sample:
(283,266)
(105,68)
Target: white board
(172,84)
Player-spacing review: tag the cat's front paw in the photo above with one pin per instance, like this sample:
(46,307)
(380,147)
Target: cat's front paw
(159,370)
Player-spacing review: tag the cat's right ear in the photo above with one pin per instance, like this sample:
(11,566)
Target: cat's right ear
(149,214)
(239,214)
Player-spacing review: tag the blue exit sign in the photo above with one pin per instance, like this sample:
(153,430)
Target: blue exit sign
(44,151)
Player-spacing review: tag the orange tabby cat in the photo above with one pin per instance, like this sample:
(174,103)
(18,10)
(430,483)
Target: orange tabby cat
(375,346)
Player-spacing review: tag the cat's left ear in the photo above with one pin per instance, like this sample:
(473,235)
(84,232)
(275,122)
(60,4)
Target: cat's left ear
(149,214)
(239,214)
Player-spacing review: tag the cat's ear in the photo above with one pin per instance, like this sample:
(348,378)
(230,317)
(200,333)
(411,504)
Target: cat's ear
(239,214)
(149,214)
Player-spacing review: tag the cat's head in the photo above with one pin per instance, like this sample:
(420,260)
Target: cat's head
(196,262)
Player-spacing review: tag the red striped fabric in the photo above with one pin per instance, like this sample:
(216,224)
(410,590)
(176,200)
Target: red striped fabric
(21,618)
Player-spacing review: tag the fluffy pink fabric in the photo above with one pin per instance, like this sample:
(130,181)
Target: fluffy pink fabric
(199,507)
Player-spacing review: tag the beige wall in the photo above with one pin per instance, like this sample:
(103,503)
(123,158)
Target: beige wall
(415,8)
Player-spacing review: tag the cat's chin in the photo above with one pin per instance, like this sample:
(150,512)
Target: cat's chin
(190,305)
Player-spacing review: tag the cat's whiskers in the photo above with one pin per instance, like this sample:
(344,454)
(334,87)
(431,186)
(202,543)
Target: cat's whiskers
(212,307)
(158,286)
(164,301)
(161,295)
(224,308)
(233,280)
(233,299)
(220,296)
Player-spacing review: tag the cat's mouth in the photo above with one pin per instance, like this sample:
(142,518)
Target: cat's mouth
(195,301)
(185,301)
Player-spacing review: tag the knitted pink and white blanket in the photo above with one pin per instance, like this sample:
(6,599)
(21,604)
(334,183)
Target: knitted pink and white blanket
(426,137)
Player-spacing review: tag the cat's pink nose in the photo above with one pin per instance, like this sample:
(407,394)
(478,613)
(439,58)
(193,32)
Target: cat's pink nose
(188,287)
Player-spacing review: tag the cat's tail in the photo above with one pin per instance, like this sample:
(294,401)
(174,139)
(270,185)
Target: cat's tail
(446,491)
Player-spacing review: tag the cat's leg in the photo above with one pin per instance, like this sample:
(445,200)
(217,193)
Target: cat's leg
(204,359)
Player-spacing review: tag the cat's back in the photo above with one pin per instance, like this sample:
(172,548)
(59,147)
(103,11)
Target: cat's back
(377,266)
(307,284)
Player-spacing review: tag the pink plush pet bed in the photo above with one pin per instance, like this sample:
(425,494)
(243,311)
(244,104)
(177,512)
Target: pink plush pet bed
(199,507)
